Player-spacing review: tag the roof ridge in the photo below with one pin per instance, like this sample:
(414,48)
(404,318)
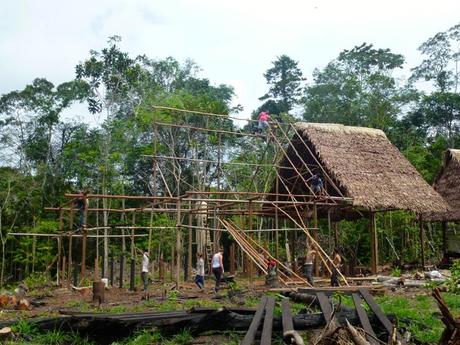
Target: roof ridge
(339,128)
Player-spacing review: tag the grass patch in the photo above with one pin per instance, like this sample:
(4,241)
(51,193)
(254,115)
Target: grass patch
(415,314)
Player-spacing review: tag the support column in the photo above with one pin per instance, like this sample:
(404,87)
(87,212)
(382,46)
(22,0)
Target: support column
(251,266)
(444,238)
(315,236)
(422,241)
(190,239)
(374,243)
(58,270)
(85,234)
(178,242)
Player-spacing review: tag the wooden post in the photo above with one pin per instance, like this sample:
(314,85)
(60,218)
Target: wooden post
(422,241)
(251,266)
(96,270)
(277,219)
(444,238)
(64,268)
(315,236)
(178,242)
(374,243)
(335,225)
(85,234)
(59,244)
(111,269)
(132,286)
(69,261)
(232,259)
(122,263)
(190,239)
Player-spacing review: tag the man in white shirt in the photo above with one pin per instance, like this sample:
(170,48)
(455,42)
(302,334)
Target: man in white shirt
(145,269)
(218,267)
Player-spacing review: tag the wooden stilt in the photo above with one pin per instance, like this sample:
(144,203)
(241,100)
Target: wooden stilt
(422,241)
(315,236)
(190,239)
(58,267)
(374,243)
(251,266)
(444,238)
(178,242)
(232,259)
(85,234)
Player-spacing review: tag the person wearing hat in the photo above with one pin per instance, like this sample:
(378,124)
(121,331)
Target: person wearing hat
(145,269)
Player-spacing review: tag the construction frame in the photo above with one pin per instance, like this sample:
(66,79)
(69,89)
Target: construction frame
(212,196)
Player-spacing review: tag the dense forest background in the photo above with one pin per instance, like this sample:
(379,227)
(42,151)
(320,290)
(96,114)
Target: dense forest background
(46,151)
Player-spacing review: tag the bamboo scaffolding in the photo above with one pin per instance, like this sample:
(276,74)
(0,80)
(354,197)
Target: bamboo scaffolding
(196,112)
(220,131)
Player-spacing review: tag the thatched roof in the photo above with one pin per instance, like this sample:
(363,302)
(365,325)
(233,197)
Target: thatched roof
(368,168)
(447,184)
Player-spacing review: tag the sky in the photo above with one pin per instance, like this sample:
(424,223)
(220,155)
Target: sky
(234,42)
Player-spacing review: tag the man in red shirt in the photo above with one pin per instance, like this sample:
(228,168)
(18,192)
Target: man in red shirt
(263,120)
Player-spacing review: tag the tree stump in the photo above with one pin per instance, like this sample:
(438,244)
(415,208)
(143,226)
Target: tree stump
(98,292)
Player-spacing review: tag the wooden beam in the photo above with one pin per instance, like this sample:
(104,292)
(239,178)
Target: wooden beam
(422,241)
(266,337)
(254,326)
(364,319)
(374,243)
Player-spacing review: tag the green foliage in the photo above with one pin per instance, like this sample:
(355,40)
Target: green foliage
(454,279)
(396,272)
(414,314)
(24,328)
(284,79)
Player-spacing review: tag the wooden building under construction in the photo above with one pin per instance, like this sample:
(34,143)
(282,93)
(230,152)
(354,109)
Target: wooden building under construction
(363,174)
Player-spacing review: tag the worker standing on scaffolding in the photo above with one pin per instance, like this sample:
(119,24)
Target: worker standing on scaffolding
(263,120)
(317,184)
(82,204)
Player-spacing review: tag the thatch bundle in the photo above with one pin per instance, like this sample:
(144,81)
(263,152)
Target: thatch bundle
(368,168)
(447,184)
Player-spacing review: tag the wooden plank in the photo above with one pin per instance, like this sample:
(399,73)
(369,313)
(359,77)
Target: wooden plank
(363,319)
(325,305)
(347,290)
(380,315)
(288,324)
(251,333)
(266,338)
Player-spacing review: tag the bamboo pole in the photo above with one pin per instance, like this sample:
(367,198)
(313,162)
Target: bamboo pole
(178,242)
(190,238)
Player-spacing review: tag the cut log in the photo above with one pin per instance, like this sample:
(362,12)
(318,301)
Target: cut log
(5,333)
(357,338)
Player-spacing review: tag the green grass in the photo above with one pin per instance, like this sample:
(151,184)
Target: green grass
(149,337)
(27,333)
(419,314)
